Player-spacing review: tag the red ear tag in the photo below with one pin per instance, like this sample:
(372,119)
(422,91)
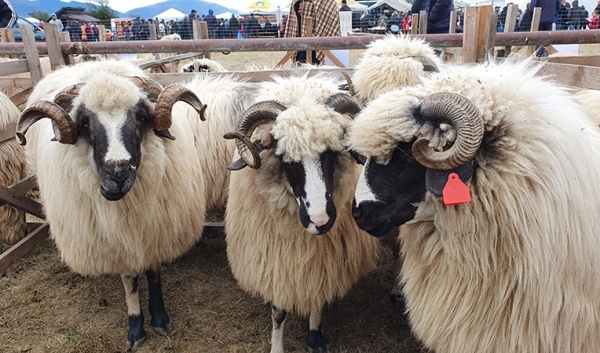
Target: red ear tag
(455,192)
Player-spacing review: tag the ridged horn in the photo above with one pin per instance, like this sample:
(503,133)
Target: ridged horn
(428,64)
(63,126)
(343,104)
(172,94)
(151,87)
(256,115)
(350,84)
(465,118)
(65,97)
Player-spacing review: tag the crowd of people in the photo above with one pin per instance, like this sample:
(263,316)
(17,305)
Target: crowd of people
(218,28)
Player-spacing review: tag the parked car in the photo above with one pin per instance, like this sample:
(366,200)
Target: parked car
(38,33)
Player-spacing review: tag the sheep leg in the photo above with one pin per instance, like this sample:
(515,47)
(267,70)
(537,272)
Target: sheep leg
(136,334)
(315,340)
(159,320)
(278,316)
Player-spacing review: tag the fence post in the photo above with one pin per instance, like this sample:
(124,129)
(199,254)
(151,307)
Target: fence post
(31,53)
(101,33)
(53,44)
(423,22)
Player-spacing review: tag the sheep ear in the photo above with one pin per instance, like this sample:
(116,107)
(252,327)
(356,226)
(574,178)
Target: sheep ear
(435,180)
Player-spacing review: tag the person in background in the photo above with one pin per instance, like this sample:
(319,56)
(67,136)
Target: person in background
(96,33)
(144,31)
(253,26)
(75,31)
(135,28)
(595,20)
(525,22)
(438,14)
(57,22)
(162,29)
(549,9)
(126,29)
(345,6)
(211,24)
(41,24)
(8,15)
(326,23)
(562,16)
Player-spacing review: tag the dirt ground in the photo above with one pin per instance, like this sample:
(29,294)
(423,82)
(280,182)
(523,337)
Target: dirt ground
(45,307)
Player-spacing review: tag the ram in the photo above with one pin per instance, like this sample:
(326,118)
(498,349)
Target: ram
(120,178)
(290,234)
(14,167)
(516,268)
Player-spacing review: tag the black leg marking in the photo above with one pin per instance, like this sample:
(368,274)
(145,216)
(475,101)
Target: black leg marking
(136,335)
(278,316)
(159,320)
(315,341)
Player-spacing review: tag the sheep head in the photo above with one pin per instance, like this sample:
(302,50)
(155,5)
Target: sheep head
(310,177)
(390,187)
(113,122)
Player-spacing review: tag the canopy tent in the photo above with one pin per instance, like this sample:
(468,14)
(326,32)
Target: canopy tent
(224,15)
(170,14)
(355,6)
(245,7)
(398,5)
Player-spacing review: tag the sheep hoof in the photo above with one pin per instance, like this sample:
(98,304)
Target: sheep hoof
(316,342)
(162,331)
(132,346)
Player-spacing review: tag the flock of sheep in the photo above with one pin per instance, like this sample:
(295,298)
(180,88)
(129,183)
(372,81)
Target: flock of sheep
(126,176)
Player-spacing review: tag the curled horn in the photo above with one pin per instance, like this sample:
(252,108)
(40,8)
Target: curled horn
(256,115)
(151,87)
(350,84)
(65,97)
(465,118)
(428,64)
(343,104)
(64,128)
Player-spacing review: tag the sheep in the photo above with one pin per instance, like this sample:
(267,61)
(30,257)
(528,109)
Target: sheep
(201,65)
(14,168)
(516,269)
(300,183)
(391,63)
(119,161)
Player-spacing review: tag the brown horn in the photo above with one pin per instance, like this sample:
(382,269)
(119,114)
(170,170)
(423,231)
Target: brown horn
(343,104)
(350,84)
(428,64)
(63,126)
(65,97)
(465,118)
(256,115)
(172,94)
(151,87)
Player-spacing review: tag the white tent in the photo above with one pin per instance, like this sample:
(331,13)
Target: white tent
(170,14)
(224,15)
(245,7)
(398,5)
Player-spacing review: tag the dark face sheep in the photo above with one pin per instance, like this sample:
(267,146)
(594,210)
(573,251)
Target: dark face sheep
(114,131)
(311,180)
(387,193)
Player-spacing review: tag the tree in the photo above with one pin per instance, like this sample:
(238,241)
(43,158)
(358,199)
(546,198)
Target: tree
(101,11)
(40,15)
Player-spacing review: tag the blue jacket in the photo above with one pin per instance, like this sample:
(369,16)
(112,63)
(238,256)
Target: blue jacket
(549,9)
(438,14)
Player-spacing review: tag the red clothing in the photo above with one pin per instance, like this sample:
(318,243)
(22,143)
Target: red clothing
(594,22)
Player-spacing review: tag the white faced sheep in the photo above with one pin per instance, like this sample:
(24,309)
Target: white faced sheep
(14,168)
(300,185)
(122,195)
(516,269)
(201,65)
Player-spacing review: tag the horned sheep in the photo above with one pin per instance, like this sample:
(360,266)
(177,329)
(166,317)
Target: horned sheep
(300,185)
(14,168)
(123,188)
(516,269)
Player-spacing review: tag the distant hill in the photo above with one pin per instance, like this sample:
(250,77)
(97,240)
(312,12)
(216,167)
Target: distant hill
(24,7)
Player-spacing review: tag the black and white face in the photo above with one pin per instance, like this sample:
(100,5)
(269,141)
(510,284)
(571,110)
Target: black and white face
(116,143)
(312,184)
(386,194)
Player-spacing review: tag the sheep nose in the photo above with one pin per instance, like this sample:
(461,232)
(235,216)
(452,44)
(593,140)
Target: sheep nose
(319,220)
(357,212)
